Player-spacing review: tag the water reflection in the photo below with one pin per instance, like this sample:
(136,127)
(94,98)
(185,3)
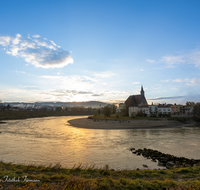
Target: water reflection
(52,140)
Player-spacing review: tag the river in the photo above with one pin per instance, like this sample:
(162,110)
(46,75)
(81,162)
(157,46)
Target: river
(50,140)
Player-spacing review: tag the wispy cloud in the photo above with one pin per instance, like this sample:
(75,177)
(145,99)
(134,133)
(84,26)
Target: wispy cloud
(150,60)
(189,82)
(136,82)
(20,72)
(36,51)
(167,80)
(163,98)
(105,74)
(171,60)
(74,82)
(189,58)
(177,80)
(36,36)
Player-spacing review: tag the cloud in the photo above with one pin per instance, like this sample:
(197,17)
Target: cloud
(141,69)
(170,60)
(150,60)
(97,95)
(189,58)
(105,74)
(20,71)
(189,82)
(136,82)
(167,80)
(163,98)
(5,40)
(74,82)
(177,80)
(36,36)
(40,53)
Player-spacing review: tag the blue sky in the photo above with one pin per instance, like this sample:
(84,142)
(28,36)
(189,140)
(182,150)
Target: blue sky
(99,50)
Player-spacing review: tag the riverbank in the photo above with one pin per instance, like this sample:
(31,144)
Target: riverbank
(127,124)
(12,115)
(90,177)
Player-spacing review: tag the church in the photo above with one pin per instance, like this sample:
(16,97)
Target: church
(136,103)
(136,100)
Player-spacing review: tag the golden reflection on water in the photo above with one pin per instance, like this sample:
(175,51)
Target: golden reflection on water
(52,139)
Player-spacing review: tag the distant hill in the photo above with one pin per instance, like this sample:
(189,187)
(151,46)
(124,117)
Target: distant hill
(93,104)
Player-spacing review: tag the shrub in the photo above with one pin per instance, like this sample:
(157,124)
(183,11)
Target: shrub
(117,115)
(95,113)
(133,114)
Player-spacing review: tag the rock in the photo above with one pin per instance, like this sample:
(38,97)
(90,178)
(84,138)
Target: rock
(153,160)
(145,166)
(170,165)
(187,165)
(177,164)
(161,164)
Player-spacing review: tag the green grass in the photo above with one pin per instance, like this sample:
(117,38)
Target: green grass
(90,177)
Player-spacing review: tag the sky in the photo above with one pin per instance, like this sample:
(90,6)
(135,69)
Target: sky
(99,50)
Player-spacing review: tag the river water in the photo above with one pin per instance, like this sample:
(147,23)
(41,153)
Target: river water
(51,140)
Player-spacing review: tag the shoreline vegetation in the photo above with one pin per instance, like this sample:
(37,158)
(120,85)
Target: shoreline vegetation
(10,115)
(89,177)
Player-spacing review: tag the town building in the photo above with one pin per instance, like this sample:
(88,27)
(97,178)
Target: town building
(138,104)
(121,107)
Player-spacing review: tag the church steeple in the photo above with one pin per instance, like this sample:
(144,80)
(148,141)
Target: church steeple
(142,91)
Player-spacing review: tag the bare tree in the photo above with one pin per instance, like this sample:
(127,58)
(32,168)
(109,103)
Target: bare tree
(196,110)
(190,104)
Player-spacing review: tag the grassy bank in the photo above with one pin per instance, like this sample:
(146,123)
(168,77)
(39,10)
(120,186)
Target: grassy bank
(120,117)
(7,115)
(78,177)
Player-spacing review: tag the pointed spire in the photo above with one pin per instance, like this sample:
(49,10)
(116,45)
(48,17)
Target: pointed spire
(142,91)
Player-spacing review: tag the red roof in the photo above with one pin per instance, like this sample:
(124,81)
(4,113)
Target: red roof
(133,100)
(144,106)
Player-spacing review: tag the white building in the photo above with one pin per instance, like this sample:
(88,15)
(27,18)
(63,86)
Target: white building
(164,109)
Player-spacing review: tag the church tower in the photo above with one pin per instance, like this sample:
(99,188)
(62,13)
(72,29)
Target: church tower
(142,91)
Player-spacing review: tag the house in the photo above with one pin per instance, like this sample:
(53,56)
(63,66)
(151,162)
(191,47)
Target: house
(177,109)
(164,109)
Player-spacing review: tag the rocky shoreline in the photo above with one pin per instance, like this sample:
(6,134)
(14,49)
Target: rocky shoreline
(166,160)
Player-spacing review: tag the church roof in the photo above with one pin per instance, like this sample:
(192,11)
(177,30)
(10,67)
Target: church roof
(133,100)
(136,100)
(144,106)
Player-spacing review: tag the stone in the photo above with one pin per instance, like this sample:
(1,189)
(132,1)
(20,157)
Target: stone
(145,166)
(187,165)
(170,165)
